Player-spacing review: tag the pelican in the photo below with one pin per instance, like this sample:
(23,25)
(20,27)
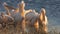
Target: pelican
(36,20)
(28,18)
(6,19)
(44,19)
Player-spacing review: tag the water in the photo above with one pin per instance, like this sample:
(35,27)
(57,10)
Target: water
(52,7)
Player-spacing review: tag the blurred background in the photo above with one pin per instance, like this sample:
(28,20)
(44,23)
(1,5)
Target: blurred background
(52,10)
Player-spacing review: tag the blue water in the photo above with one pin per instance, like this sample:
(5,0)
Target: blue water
(52,8)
